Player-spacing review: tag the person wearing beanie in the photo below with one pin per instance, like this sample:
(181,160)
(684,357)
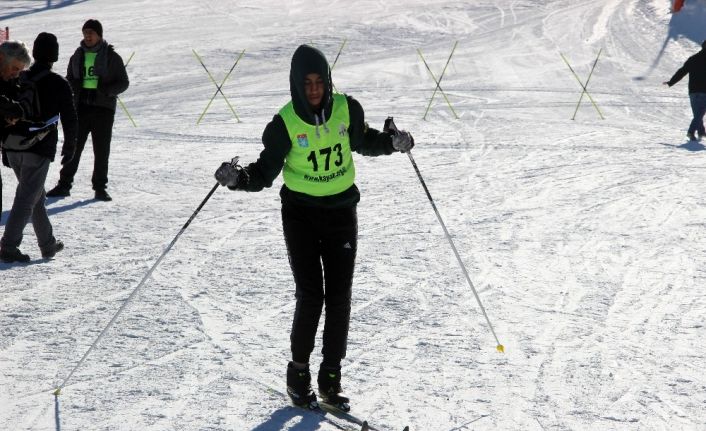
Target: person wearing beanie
(31,163)
(311,141)
(97,75)
(13,59)
(695,67)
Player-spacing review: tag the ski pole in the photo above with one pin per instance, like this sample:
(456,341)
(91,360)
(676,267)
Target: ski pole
(389,124)
(233,162)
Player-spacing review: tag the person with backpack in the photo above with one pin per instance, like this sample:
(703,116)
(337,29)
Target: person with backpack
(44,95)
(695,67)
(312,140)
(14,58)
(97,75)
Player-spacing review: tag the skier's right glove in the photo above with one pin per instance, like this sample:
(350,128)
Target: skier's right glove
(229,174)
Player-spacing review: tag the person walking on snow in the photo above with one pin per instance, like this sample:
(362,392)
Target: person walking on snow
(97,75)
(32,164)
(14,58)
(695,67)
(311,140)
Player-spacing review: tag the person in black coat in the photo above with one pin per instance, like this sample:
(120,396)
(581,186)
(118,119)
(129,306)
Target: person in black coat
(695,67)
(97,75)
(32,164)
(13,59)
(311,141)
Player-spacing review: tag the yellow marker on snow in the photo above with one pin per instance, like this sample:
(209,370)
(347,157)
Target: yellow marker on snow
(501,348)
(57,392)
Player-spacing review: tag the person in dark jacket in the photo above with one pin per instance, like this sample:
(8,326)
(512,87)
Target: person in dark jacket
(97,75)
(14,58)
(695,67)
(32,164)
(311,140)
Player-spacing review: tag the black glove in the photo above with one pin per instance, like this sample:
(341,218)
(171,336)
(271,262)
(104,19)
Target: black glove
(401,141)
(67,154)
(229,174)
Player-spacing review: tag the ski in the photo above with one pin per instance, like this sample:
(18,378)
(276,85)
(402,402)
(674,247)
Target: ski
(332,415)
(339,423)
(347,416)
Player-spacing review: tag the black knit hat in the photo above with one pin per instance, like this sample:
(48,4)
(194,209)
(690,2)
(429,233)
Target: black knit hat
(46,48)
(94,25)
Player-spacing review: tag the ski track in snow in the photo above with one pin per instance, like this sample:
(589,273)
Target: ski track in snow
(585,238)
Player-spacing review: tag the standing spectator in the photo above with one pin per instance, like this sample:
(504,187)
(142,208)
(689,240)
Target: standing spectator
(14,58)
(97,75)
(311,141)
(695,67)
(31,164)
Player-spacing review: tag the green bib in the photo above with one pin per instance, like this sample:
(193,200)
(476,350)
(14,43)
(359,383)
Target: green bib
(319,164)
(90,80)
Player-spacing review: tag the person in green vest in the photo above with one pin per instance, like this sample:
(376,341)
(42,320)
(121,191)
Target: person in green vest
(97,76)
(311,141)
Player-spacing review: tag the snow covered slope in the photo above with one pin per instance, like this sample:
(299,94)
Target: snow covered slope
(585,238)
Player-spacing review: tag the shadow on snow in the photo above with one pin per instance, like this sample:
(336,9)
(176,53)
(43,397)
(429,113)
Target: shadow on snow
(46,5)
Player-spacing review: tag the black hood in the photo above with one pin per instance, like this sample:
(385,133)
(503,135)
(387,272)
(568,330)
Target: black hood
(306,60)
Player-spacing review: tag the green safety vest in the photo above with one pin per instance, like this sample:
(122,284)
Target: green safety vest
(319,164)
(90,80)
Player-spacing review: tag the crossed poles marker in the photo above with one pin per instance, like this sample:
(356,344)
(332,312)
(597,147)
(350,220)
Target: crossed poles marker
(122,105)
(584,86)
(438,82)
(218,87)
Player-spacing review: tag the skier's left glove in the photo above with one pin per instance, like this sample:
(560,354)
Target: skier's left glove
(401,141)
(230,174)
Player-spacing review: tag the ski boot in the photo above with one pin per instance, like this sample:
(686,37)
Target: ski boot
(329,381)
(299,387)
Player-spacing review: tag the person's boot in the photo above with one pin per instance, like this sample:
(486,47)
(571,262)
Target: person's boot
(52,250)
(59,191)
(102,195)
(299,387)
(12,254)
(330,390)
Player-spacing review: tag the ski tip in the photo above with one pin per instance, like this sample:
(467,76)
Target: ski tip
(501,348)
(365,426)
(406,429)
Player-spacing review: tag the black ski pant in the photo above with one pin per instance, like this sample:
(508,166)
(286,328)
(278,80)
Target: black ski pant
(98,122)
(321,244)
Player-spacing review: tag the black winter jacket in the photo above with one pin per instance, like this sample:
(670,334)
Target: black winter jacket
(695,67)
(364,140)
(112,77)
(9,108)
(55,98)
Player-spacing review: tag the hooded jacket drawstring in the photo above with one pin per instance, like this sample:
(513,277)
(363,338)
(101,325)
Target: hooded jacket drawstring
(323,123)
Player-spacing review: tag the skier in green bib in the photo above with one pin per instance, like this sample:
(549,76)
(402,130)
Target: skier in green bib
(311,141)
(97,76)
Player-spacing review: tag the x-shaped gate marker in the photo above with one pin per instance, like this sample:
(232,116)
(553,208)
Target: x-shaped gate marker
(438,82)
(122,105)
(584,86)
(218,87)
